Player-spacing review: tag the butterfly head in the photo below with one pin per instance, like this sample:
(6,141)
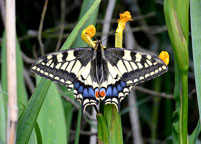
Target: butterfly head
(99,45)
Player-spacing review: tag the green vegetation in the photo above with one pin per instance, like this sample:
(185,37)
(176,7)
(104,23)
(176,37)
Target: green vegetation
(167,109)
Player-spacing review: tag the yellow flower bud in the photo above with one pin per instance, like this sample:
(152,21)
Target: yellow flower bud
(87,34)
(164,56)
(126,16)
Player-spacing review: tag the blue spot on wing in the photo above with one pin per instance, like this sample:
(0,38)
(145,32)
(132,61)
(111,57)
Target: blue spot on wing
(114,92)
(102,89)
(123,84)
(91,92)
(76,85)
(85,93)
(119,87)
(109,91)
(80,90)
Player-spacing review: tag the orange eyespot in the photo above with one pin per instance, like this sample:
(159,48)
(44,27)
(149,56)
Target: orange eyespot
(97,94)
(164,56)
(102,93)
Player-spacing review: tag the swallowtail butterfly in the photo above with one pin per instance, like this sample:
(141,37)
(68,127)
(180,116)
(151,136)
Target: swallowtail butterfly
(99,73)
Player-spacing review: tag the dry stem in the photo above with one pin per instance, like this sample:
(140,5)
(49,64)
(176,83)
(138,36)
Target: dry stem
(11,71)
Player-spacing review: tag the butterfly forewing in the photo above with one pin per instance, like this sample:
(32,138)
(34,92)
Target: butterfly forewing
(128,68)
(64,66)
(135,67)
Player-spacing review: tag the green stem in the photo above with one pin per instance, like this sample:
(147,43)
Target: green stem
(77,135)
(184,108)
(155,111)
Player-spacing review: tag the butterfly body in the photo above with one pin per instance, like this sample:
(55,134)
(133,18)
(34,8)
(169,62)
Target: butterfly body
(99,73)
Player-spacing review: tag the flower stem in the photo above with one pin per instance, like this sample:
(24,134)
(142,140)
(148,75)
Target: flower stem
(184,108)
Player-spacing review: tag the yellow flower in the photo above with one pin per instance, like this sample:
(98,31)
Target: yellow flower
(164,56)
(87,34)
(126,16)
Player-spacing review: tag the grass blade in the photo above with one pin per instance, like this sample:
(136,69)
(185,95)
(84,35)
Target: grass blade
(85,6)
(30,113)
(103,131)
(38,134)
(195,134)
(68,109)
(77,135)
(113,121)
(196,44)
(21,90)
(51,118)
(196,41)
(80,24)
(2,118)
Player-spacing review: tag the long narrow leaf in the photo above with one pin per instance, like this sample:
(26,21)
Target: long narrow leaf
(113,121)
(38,134)
(21,90)
(77,135)
(85,6)
(30,114)
(80,24)
(51,118)
(194,135)
(2,117)
(196,41)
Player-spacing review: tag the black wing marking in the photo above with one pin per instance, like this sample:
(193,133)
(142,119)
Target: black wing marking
(64,66)
(70,68)
(127,68)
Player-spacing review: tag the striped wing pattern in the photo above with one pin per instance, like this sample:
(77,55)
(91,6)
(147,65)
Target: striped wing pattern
(77,68)
(70,68)
(127,68)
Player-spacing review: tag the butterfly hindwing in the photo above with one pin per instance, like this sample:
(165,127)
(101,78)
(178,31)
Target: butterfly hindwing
(128,68)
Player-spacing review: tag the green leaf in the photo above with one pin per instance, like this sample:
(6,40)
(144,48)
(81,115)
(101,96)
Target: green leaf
(195,134)
(176,16)
(2,118)
(80,24)
(176,114)
(28,118)
(68,109)
(113,120)
(1,141)
(103,131)
(196,46)
(77,135)
(21,90)
(196,41)
(51,118)
(92,20)
(38,134)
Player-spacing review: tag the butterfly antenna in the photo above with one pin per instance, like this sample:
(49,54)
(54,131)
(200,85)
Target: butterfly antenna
(95,38)
(113,33)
